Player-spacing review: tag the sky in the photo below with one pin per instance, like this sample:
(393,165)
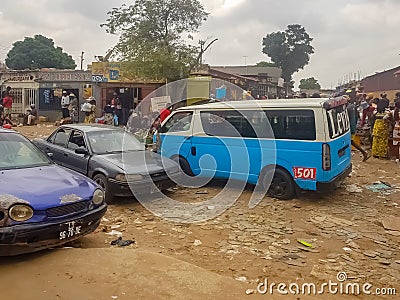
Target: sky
(351,38)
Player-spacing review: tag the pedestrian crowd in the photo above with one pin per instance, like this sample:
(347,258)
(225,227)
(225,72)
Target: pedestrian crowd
(374,121)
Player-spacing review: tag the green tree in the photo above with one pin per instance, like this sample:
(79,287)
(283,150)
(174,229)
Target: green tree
(265,64)
(290,50)
(309,84)
(38,52)
(151,36)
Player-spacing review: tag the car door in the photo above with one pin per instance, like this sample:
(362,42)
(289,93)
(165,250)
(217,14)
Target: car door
(73,160)
(176,134)
(57,145)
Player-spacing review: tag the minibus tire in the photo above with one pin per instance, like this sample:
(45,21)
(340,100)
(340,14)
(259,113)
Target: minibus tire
(184,165)
(281,187)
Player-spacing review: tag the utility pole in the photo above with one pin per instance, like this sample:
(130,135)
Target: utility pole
(82,59)
(245,62)
(204,49)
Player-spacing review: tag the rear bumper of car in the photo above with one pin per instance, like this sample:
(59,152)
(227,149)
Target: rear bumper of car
(26,238)
(125,189)
(335,182)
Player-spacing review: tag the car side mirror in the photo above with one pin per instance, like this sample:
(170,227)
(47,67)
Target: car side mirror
(81,151)
(49,154)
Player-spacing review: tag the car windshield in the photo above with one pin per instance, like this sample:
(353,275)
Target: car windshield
(113,141)
(17,152)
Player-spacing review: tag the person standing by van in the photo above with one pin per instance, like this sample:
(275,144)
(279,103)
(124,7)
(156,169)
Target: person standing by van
(7,104)
(64,105)
(165,112)
(352,111)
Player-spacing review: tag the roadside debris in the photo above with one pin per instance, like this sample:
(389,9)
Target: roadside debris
(250,291)
(197,243)
(205,192)
(352,188)
(122,243)
(381,187)
(115,232)
(241,279)
(305,243)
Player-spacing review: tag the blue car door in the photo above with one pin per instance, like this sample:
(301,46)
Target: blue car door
(176,134)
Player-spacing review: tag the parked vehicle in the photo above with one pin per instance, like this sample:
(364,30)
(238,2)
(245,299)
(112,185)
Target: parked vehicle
(42,205)
(290,143)
(112,157)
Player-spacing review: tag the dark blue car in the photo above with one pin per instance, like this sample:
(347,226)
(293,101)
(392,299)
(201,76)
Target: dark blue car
(42,205)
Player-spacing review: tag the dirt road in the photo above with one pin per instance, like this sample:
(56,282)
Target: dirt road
(318,238)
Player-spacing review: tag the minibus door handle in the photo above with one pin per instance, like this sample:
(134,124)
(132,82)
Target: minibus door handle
(193,151)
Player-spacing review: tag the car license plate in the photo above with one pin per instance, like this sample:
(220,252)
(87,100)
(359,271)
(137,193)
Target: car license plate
(69,230)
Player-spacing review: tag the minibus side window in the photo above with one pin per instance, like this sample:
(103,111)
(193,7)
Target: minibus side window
(227,123)
(292,124)
(179,121)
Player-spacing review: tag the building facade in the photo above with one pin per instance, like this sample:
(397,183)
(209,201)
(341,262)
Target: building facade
(386,81)
(261,82)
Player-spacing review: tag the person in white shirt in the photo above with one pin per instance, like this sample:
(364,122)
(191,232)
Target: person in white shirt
(65,105)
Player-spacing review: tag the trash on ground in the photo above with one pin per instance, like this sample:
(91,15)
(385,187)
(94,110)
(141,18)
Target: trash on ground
(114,232)
(121,243)
(202,192)
(197,243)
(352,188)
(380,186)
(241,278)
(305,243)
(250,291)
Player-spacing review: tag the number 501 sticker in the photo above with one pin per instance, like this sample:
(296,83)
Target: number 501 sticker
(305,173)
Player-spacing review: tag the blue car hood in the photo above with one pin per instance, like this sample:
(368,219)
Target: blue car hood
(44,187)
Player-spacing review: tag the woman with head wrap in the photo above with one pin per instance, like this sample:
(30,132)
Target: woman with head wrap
(380,132)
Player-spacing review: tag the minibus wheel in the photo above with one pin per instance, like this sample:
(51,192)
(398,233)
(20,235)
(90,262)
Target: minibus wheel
(184,165)
(281,186)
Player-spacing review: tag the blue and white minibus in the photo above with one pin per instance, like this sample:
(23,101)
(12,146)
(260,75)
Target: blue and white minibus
(283,144)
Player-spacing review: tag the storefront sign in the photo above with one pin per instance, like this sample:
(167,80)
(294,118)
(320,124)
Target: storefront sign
(66,76)
(158,103)
(106,72)
(19,76)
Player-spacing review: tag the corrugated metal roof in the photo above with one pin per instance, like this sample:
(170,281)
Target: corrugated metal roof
(250,70)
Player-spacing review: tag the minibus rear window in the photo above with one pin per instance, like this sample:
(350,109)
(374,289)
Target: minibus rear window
(338,121)
(292,124)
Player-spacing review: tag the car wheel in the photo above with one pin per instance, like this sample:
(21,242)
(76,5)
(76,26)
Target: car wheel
(281,186)
(184,165)
(101,180)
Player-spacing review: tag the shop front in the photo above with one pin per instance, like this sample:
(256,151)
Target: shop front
(24,89)
(108,81)
(51,85)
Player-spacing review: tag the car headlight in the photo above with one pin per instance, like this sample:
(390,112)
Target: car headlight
(120,177)
(128,177)
(133,177)
(20,212)
(98,197)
